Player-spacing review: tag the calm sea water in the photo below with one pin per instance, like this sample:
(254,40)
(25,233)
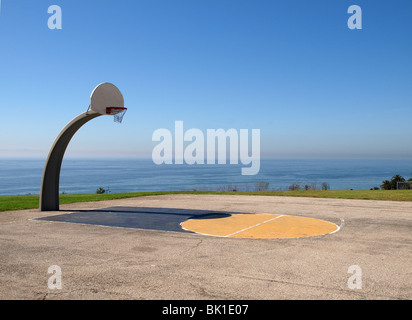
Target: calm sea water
(18,177)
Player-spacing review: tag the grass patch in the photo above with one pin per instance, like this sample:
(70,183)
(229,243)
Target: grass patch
(8,203)
(18,202)
(392,195)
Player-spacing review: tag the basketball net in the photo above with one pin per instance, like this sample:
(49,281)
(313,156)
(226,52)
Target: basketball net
(117,113)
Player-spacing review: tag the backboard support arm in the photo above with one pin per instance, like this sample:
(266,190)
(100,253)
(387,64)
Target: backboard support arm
(49,192)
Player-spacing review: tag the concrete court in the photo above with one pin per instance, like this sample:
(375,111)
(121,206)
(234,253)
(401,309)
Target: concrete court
(101,262)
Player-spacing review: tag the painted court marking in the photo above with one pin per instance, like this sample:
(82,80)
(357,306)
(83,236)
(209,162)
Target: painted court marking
(203,222)
(260,226)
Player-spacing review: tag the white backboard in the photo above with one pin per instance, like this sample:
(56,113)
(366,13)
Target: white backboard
(105,95)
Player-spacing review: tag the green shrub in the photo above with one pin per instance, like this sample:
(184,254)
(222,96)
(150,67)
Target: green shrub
(100,190)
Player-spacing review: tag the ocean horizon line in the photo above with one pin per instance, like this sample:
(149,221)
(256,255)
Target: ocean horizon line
(261,158)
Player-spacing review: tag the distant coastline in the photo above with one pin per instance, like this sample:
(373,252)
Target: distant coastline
(85,175)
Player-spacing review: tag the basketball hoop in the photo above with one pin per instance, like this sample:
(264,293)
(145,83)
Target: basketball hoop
(107,99)
(117,113)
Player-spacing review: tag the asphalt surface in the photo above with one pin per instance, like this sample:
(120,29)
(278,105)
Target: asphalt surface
(121,262)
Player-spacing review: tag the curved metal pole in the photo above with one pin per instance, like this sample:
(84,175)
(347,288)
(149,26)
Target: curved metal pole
(49,192)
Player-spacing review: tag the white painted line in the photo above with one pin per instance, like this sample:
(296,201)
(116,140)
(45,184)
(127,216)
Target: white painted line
(252,226)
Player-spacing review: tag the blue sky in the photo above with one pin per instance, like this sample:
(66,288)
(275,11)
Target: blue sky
(292,69)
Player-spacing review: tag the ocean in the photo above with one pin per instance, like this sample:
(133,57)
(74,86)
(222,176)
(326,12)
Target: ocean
(23,176)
